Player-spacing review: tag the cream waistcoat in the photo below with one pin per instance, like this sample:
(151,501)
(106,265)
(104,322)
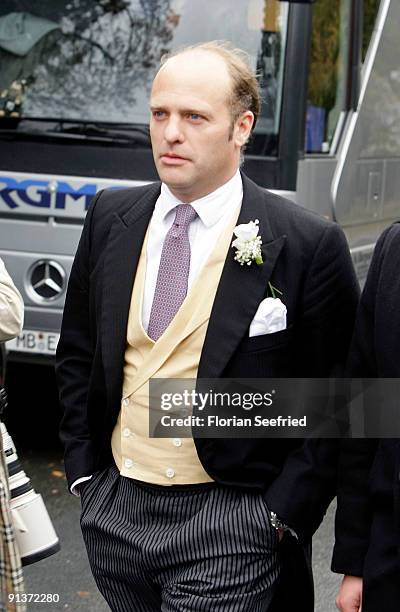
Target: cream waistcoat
(176,354)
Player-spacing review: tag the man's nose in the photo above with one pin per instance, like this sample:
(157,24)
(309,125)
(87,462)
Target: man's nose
(173,130)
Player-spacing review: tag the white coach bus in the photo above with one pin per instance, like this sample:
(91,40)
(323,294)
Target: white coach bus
(75,77)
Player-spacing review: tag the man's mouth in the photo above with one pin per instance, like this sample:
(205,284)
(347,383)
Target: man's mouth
(173,159)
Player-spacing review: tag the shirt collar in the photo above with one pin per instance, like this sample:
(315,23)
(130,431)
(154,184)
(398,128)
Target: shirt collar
(210,208)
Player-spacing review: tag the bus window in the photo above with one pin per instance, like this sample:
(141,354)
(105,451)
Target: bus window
(86,61)
(370,12)
(328,72)
(270,58)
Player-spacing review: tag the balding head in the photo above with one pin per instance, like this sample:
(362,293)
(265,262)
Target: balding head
(197,71)
(198,61)
(244,90)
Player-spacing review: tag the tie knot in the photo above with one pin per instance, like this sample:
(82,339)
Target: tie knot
(185,214)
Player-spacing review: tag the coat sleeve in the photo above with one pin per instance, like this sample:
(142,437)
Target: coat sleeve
(74,361)
(354,511)
(11,306)
(302,492)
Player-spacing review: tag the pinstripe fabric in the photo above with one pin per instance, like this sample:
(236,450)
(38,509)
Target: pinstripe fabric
(195,548)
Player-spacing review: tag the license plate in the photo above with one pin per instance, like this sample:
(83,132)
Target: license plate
(29,341)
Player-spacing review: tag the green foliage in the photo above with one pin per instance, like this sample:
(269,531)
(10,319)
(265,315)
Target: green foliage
(370,13)
(325,47)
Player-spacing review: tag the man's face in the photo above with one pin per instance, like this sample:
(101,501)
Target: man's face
(190,125)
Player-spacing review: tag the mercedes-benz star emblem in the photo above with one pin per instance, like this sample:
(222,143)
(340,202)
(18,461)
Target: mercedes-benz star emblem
(47,280)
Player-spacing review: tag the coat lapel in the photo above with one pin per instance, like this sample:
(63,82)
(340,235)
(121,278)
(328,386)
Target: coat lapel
(240,290)
(123,249)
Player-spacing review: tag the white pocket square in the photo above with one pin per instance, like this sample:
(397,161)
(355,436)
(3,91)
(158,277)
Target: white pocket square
(269,318)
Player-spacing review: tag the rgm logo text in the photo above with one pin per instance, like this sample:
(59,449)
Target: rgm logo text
(42,194)
(15,194)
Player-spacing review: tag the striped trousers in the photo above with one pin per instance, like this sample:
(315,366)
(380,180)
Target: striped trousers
(194,548)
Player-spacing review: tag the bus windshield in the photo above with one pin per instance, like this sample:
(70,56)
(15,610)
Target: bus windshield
(94,61)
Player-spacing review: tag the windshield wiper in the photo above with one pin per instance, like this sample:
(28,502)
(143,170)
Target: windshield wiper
(123,131)
(89,132)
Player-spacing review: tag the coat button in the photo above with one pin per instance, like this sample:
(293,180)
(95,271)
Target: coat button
(170,473)
(177,442)
(128,463)
(125,402)
(126,432)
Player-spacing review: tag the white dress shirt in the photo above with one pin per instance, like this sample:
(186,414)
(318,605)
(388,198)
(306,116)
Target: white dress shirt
(214,211)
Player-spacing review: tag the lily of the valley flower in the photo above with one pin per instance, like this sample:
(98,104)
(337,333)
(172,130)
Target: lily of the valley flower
(247,243)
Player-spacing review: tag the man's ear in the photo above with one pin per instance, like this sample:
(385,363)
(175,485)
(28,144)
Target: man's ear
(242,129)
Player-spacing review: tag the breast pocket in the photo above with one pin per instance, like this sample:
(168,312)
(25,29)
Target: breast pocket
(266,342)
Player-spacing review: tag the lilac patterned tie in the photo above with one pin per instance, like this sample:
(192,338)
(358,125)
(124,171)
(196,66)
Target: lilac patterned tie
(173,273)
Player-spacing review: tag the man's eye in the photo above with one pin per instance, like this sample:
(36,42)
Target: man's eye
(158,114)
(195,116)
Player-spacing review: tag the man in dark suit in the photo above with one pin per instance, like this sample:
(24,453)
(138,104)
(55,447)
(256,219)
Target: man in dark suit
(368,514)
(193,524)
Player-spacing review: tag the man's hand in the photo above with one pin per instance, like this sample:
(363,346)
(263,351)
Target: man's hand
(350,594)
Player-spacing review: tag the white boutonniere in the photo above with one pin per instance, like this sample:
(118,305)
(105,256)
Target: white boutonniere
(247,243)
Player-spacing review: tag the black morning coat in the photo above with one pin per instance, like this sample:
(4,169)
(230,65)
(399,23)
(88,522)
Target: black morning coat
(368,515)
(307,259)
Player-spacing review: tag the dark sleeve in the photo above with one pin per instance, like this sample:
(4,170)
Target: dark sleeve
(304,489)
(354,512)
(74,359)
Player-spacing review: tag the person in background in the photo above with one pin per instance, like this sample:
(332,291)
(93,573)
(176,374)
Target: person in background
(11,576)
(11,307)
(367,547)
